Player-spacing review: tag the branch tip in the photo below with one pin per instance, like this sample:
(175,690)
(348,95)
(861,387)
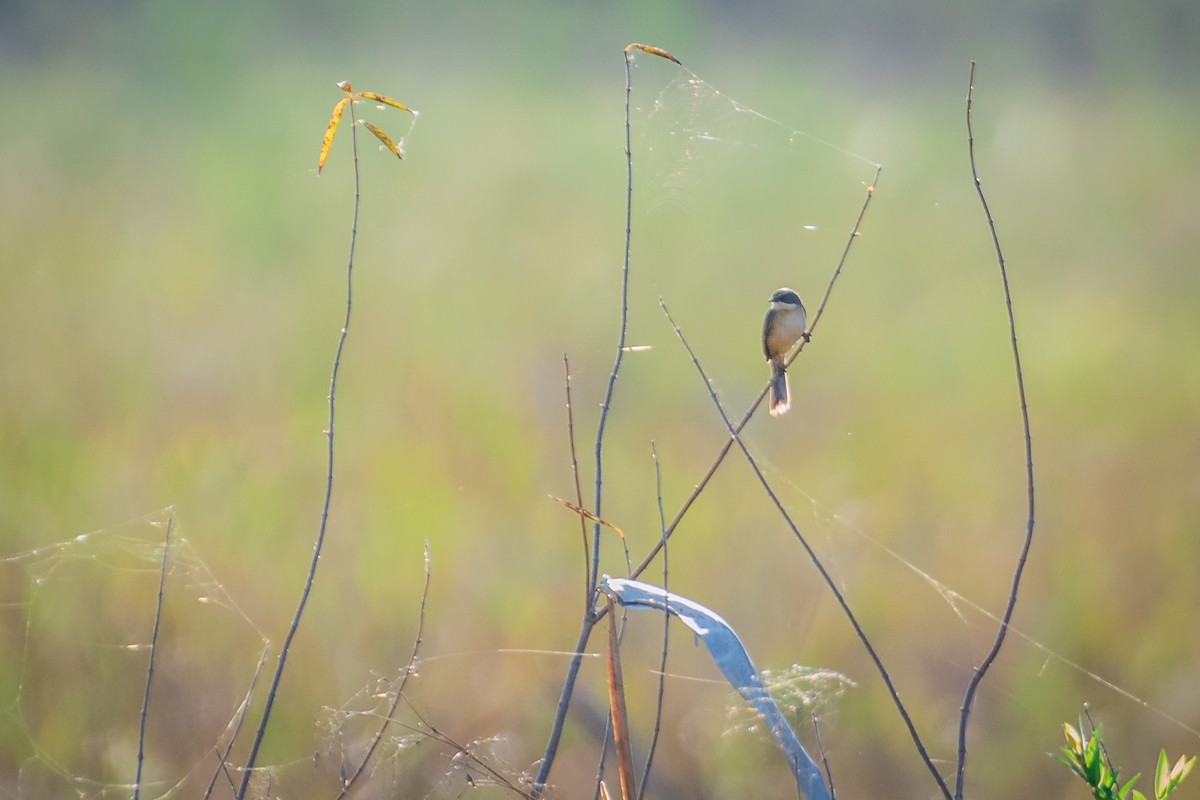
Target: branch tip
(652,50)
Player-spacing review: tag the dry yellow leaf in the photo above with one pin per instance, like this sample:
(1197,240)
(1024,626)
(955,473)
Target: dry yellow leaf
(331,131)
(383,137)
(654,51)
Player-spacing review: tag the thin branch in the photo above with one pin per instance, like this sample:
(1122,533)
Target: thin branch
(616,370)
(1087,712)
(607,739)
(825,576)
(243,710)
(662,667)
(464,750)
(587,558)
(1001,633)
(329,433)
(162,582)
(816,723)
(398,689)
(737,429)
(589,615)
(564,700)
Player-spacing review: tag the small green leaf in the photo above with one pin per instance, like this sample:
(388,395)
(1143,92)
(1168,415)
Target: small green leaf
(1073,766)
(1092,761)
(1124,790)
(1162,775)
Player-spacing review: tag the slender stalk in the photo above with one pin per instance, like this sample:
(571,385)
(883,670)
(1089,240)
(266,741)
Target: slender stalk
(329,433)
(590,616)
(816,723)
(162,582)
(243,709)
(465,754)
(621,338)
(812,555)
(1006,618)
(662,667)
(398,689)
(587,550)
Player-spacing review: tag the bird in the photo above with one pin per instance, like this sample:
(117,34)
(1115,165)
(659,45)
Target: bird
(783,327)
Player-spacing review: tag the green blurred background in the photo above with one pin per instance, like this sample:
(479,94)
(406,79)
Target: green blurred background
(173,288)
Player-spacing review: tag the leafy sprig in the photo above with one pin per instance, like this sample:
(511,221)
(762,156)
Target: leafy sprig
(1087,758)
(336,119)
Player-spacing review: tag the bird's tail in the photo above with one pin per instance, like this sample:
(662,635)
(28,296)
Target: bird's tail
(779,388)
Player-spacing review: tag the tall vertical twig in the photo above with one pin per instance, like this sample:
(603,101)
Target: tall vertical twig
(606,406)
(1002,631)
(162,582)
(589,615)
(662,667)
(329,434)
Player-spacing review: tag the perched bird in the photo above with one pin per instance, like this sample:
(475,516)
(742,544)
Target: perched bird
(783,327)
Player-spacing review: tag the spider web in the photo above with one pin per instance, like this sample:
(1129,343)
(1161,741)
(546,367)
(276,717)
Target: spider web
(730,204)
(696,142)
(345,734)
(77,633)
(727,189)
(77,629)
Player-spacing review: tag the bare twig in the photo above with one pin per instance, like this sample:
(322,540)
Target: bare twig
(606,406)
(398,687)
(329,434)
(1087,712)
(816,723)
(162,582)
(825,576)
(662,667)
(587,558)
(243,710)
(589,615)
(605,741)
(463,753)
(1002,631)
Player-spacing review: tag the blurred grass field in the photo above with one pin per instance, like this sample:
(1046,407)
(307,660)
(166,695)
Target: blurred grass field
(174,276)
